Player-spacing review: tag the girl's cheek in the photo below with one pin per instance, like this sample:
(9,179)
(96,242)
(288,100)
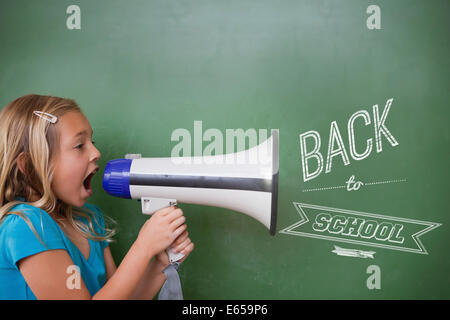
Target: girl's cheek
(69,172)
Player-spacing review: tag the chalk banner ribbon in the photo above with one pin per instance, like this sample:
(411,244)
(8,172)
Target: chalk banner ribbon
(360,228)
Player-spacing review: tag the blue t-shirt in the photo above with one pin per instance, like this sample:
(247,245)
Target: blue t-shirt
(18,241)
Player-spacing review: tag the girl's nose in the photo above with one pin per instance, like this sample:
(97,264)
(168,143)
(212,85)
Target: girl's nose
(95,154)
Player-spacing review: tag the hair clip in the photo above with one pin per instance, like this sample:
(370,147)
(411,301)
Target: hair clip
(46,116)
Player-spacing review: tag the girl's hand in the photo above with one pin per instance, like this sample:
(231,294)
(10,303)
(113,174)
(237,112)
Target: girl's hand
(182,244)
(161,230)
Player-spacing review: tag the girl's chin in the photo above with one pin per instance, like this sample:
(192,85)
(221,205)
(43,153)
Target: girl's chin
(76,203)
(87,192)
(79,201)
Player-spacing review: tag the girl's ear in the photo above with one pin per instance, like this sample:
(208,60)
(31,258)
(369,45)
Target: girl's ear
(21,161)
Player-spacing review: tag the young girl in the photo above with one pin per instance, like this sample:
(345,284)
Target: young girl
(49,235)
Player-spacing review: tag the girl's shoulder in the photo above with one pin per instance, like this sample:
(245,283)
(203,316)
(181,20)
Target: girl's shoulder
(40,219)
(27,213)
(25,217)
(27,230)
(25,208)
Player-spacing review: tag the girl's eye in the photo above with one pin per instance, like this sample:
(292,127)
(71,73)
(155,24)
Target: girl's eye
(80,146)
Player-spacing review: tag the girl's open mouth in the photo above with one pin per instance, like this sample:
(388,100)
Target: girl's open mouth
(87,181)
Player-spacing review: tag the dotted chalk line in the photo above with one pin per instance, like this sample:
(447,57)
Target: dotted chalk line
(325,188)
(365,184)
(383,182)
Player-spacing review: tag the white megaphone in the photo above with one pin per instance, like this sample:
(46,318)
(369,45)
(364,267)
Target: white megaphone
(245,181)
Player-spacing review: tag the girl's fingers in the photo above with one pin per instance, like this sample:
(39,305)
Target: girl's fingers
(179,231)
(182,246)
(166,211)
(174,214)
(188,249)
(177,222)
(181,238)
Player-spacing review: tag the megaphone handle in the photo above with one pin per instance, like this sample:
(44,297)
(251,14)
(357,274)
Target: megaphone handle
(174,257)
(150,206)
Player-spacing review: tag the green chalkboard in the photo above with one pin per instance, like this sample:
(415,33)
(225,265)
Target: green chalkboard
(363,215)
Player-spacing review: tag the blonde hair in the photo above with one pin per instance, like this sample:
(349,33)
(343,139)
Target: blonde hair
(21,131)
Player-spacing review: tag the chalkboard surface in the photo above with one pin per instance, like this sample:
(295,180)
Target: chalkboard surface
(359,91)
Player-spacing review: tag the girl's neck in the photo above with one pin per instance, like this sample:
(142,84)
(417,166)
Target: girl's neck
(33,198)
(55,214)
